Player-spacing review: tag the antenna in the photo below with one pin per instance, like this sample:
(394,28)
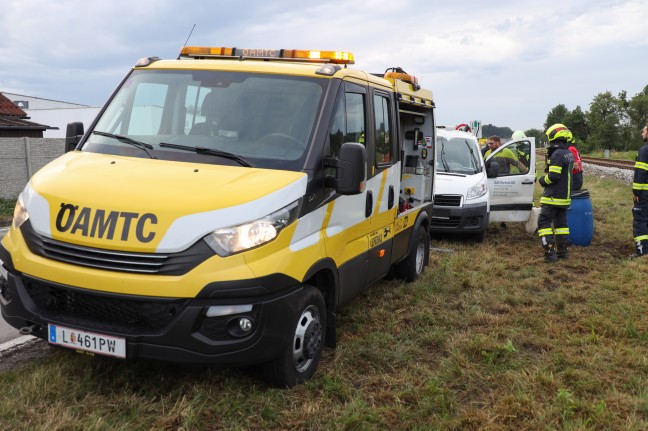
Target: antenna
(185,44)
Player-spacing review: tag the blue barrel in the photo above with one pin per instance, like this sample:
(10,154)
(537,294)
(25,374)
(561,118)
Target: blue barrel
(580,217)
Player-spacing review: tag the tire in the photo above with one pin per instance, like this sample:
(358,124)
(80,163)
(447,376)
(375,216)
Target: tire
(417,258)
(304,350)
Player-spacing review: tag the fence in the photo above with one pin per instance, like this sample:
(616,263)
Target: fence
(20,158)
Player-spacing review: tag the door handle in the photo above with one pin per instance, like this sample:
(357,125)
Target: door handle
(369,204)
(390,198)
(526,182)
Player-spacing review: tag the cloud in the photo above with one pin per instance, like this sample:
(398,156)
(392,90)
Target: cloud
(471,54)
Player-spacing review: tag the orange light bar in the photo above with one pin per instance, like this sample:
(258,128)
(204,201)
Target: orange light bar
(197,51)
(338,57)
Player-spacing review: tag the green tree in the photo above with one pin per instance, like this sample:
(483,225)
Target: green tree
(556,115)
(576,120)
(502,132)
(604,118)
(638,115)
(539,135)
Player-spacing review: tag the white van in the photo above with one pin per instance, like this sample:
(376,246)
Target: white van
(470,193)
(462,197)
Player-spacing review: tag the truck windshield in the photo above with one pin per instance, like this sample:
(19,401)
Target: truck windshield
(264,119)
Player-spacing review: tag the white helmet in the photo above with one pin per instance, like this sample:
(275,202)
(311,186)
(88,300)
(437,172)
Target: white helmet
(518,134)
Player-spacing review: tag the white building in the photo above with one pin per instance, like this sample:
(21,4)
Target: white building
(54,113)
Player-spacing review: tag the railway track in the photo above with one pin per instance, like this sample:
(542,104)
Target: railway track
(610,163)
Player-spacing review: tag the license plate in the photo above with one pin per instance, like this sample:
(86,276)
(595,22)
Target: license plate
(87,341)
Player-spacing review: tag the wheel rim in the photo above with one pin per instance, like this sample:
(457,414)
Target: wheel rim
(420,255)
(308,338)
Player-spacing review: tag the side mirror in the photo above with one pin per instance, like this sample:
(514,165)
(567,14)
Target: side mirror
(492,169)
(350,169)
(73,135)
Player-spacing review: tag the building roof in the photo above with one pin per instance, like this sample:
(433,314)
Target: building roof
(9,109)
(8,122)
(12,117)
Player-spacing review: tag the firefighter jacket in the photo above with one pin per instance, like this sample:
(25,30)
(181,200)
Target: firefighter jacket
(557,181)
(640,181)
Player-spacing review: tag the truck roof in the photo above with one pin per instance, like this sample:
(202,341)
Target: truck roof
(407,90)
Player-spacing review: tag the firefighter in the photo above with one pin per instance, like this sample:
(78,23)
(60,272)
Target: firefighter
(640,198)
(556,198)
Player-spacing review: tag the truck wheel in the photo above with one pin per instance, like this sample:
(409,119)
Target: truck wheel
(417,258)
(302,355)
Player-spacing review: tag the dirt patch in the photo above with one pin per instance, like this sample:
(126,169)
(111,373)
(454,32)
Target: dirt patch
(22,354)
(5,220)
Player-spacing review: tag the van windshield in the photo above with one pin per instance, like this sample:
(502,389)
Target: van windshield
(265,120)
(457,156)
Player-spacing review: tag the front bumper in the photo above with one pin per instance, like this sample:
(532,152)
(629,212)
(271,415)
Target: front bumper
(468,218)
(167,329)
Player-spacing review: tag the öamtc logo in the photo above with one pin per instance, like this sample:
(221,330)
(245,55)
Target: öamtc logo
(100,223)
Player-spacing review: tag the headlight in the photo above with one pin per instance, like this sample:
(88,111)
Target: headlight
(230,240)
(20,215)
(477,191)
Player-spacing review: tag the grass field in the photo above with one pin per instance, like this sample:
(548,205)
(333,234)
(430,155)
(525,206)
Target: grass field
(6,211)
(491,338)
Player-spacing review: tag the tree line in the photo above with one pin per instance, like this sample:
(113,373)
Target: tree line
(612,123)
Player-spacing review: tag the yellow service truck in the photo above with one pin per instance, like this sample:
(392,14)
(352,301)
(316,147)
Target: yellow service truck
(222,207)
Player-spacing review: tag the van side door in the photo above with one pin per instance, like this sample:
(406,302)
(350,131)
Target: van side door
(511,192)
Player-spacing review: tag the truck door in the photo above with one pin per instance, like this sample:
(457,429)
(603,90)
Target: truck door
(383,183)
(349,224)
(511,192)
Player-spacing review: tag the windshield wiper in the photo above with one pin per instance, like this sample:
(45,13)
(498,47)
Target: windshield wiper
(443,160)
(125,139)
(211,152)
(473,159)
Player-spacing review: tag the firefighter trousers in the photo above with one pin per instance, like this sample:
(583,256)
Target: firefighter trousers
(552,221)
(640,228)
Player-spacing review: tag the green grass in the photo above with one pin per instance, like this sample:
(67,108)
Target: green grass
(620,155)
(489,338)
(6,211)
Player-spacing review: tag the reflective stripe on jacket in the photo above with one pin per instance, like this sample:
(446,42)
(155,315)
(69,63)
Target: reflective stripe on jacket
(640,181)
(557,181)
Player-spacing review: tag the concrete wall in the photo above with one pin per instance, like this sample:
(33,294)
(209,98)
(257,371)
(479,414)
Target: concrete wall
(20,158)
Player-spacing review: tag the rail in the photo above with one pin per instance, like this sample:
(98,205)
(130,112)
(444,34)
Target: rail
(610,163)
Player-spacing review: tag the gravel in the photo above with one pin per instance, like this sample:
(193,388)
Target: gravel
(625,175)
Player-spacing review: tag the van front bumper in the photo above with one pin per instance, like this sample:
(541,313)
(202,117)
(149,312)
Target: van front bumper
(203,331)
(468,218)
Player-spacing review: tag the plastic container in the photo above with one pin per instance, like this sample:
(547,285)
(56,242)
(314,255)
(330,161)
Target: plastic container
(580,218)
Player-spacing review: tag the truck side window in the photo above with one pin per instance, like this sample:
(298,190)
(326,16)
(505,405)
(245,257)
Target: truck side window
(348,121)
(382,114)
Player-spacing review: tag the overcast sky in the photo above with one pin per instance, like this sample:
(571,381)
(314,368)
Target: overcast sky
(506,63)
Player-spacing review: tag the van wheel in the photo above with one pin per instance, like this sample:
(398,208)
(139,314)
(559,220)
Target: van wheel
(417,258)
(304,350)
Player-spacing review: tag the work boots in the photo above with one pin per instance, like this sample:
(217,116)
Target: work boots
(641,249)
(562,242)
(549,250)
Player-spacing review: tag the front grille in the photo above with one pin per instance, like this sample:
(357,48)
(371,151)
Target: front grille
(445,222)
(111,260)
(447,200)
(115,312)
